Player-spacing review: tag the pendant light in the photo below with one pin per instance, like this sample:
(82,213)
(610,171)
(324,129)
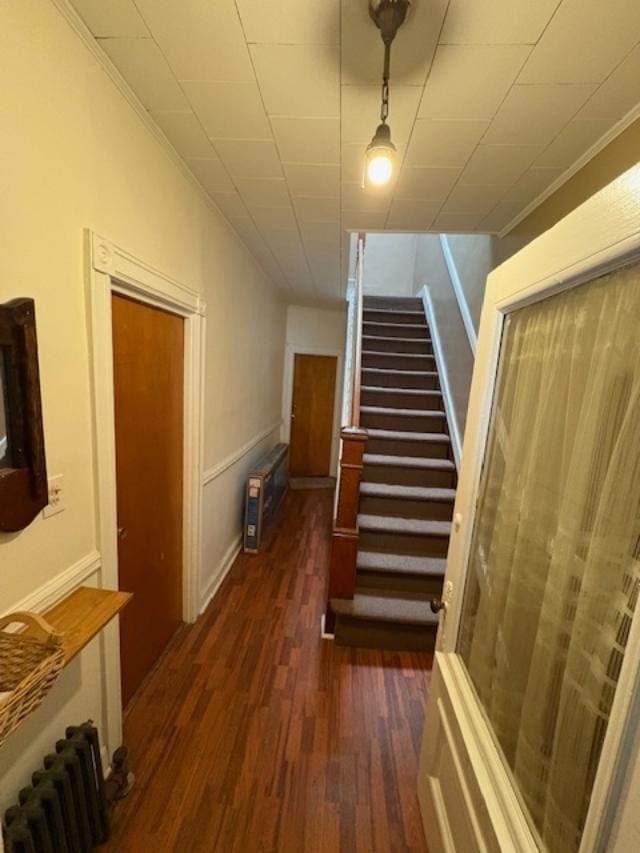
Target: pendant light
(380,157)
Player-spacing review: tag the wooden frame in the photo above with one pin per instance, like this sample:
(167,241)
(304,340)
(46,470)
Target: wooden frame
(113,270)
(23,485)
(599,236)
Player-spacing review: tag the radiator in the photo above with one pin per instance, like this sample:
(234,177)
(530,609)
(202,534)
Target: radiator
(64,810)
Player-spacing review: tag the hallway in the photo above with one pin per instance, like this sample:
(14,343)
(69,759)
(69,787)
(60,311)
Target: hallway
(255,735)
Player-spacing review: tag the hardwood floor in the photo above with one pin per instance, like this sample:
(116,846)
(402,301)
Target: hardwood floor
(255,735)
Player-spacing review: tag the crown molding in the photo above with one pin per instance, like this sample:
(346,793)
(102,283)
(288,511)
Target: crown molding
(613,132)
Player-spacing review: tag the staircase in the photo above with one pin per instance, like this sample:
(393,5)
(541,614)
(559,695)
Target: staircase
(407,490)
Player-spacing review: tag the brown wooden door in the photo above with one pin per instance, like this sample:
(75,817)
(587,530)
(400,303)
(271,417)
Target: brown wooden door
(314,387)
(148,360)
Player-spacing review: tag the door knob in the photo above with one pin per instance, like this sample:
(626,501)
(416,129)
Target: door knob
(436,605)
(122,532)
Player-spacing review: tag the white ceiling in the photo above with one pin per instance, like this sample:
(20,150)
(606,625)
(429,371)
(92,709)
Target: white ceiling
(271,103)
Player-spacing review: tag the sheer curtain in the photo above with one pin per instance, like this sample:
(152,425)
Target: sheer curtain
(555,564)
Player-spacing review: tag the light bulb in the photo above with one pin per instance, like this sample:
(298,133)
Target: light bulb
(380,169)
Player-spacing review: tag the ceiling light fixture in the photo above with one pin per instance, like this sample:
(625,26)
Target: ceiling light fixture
(388,16)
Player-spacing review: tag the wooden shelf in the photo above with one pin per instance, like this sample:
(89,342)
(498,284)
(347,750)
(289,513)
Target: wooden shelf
(83,613)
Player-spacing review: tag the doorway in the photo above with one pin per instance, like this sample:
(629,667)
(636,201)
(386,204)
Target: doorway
(312,409)
(148,366)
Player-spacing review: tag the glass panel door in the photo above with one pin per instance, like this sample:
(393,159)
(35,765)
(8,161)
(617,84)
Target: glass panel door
(554,568)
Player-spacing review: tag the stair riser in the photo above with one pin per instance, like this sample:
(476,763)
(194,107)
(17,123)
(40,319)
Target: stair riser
(404,423)
(394,447)
(399,362)
(428,382)
(431,586)
(419,346)
(393,303)
(408,476)
(393,399)
(383,635)
(406,507)
(396,317)
(403,543)
(391,330)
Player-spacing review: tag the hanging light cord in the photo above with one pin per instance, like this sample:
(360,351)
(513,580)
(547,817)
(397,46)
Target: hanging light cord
(384,107)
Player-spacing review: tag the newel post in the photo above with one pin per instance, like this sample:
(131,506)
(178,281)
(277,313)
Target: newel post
(344,541)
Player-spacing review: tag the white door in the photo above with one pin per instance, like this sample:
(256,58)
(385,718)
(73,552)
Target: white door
(536,669)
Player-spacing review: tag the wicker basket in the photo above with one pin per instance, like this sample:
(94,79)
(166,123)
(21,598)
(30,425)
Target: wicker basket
(30,662)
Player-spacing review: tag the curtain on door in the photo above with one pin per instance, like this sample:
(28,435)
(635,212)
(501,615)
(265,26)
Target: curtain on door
(554,570)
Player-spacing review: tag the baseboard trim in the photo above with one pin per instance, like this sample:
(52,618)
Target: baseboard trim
(459,292)
(223,570)
(324,635)
(55,589)
(212,473)
(447,396)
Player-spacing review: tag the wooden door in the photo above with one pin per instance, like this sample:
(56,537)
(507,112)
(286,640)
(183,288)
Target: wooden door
(532,757)
(314,388)
(148,361)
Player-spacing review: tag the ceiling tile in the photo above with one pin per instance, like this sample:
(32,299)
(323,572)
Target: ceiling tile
(321,232)
(229,110)
(473,199)
(444,143)
(307,179)
(502,214)
(145,69)
(618,94)
(370,198)
(211,174)
(363,51)
(452,223)
(532,184)
(201,40)
(533,115)
(409,214)
(361,112)
(249,158)
(298,80)
(363,220)
(274,217)
(499,164)
(185,133)
(426,183)
(264,192)
(314,209)
(496,21)
(308,140)
(230,204)
(584,42)
(118,18)
(572,142)
(470,81)
(290,21)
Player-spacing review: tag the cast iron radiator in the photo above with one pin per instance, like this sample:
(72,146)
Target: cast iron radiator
(64,810)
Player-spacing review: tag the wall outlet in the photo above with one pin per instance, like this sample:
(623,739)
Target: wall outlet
(56,497)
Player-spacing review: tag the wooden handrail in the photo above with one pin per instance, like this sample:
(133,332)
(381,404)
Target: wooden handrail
(357,359)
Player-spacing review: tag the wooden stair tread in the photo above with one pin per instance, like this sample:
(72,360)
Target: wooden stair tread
(374,605)
(405,413)
(415,392)
(399,435)
(398,354)
(420,326)
(408,461)
(392,371)
(419,315)
(401,564)
(397,339)
(416,493)
(409,526)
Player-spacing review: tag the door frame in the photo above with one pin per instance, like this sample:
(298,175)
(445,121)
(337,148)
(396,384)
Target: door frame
(114,270)
(290,352)
(597,237)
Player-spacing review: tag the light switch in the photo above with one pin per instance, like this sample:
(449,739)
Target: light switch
(56,496)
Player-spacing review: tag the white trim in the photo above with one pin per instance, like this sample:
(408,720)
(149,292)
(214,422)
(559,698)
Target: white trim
(450,411)
(223,569)
(3,446)
(324,635)
(112,269)
(290,351)
(212,473)
(51,592)
(463,305)
(606,139)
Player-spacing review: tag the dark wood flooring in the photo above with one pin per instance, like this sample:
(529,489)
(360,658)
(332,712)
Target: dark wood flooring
(255,735)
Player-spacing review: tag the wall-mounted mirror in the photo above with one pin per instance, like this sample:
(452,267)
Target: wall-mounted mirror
(23,473)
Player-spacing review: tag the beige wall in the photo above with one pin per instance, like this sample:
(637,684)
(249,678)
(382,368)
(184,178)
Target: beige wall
(75,155)
(389,264)
(323,332)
